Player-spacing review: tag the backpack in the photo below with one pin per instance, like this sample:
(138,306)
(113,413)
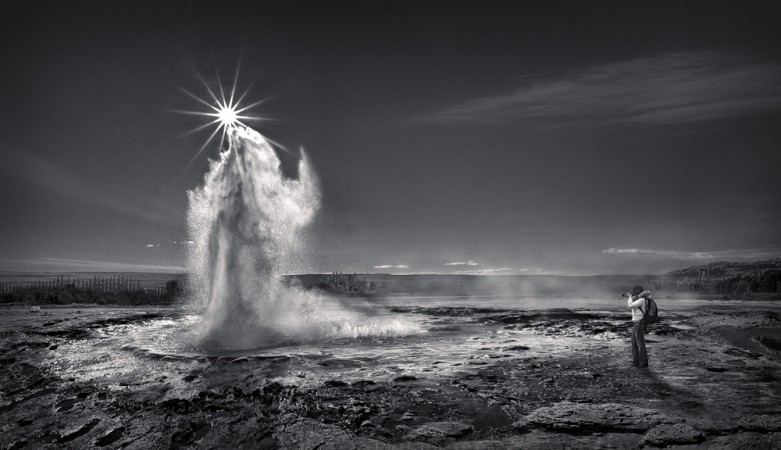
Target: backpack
(651,313)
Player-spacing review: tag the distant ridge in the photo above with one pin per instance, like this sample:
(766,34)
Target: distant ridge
(728,278)
(727,268)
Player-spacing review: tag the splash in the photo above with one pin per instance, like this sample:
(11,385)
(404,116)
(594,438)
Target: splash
(246,223)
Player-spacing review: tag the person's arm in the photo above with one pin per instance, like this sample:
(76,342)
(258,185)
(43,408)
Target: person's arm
(635,304)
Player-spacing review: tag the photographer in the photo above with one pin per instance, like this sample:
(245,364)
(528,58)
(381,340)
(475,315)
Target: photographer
(637,303)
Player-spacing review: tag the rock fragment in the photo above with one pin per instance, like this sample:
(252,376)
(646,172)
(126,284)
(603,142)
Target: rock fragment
(760,422)
(568,416)
(745,441)
(440,432)
(80,432)
(111,437)
(676,434)
(522,426)
(408,416)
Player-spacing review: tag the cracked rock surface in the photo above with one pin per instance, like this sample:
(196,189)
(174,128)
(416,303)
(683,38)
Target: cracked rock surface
(477,378)
(672,434)
(601,417)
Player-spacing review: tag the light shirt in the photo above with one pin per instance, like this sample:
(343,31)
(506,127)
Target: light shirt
(635,305)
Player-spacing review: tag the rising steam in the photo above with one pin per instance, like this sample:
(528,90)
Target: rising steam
(245,222)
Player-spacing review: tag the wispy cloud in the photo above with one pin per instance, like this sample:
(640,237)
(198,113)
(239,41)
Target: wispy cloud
(81,265)
(507,271)
(670,88)
(171,243)
(36,171)
(713,255)
(392,266)
(462,263)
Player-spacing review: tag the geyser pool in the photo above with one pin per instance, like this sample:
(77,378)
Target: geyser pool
(245,223)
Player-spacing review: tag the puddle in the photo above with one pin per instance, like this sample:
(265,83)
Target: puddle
(761,340)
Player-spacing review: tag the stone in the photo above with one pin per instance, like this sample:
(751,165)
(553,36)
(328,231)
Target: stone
(438,430)
(297,432)
(109,438)
(760,422)
(745,441)
(568,416)
(521,426)
(408,416)
(676,434)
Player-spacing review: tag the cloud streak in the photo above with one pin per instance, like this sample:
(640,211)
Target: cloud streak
(462,263)
(680,254)
(666,89)
(507,271)
(33,170)
(392,266)
(171,243)
(81,265)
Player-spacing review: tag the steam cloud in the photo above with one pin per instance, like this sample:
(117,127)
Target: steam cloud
(245,224)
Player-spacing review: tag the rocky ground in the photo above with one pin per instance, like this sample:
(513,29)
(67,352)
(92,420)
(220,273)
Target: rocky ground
(713,383)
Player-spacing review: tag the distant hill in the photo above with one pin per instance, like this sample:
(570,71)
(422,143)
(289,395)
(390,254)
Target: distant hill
(727,269)
(727,278)
(723,278)
(467,285)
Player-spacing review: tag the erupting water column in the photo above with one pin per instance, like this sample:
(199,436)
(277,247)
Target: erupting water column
(245,221)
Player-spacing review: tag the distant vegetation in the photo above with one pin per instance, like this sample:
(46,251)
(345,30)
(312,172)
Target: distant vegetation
(727,278)
(121,289)
(336,283)
(723,279)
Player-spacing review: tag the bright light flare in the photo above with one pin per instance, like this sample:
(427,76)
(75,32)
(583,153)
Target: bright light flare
(225,111)
(227,116)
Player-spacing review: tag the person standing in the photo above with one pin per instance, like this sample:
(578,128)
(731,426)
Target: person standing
(636,302)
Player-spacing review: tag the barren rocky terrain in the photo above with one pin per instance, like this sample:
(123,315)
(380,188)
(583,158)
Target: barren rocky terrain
(478,378)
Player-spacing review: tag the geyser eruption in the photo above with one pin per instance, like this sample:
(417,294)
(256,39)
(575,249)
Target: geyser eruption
(245,222)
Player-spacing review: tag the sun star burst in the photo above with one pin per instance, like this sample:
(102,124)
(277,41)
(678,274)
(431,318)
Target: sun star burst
(227,116)
(226,112)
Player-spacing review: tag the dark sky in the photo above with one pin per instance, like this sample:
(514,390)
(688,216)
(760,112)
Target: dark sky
(570,138)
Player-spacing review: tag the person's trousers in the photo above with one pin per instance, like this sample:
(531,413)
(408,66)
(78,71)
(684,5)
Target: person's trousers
(639,355)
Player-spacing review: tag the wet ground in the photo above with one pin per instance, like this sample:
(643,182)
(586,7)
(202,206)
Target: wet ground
(510,375)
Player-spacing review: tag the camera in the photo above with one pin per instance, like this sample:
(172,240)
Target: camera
(624,295)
